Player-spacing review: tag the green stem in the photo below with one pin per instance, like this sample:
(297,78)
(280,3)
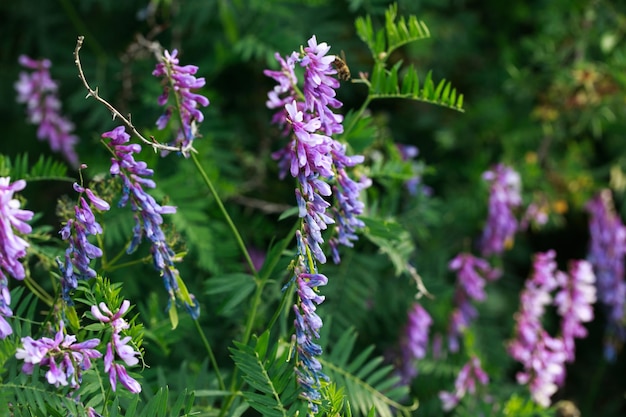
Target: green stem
(207,346)
(356,117)
(229,220)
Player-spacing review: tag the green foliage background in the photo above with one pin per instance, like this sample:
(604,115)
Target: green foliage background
(544,85)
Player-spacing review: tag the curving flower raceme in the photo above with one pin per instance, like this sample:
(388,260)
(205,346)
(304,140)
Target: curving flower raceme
(65,359)
(80,252)
(504,197)
(12,246)
(542,355)
(182,81)
(148,213)
(39,92)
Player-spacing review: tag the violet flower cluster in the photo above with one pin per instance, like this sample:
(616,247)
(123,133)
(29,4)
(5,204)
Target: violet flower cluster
(414,342)
(504,197)
(39,92)
(319,164)
(12,246)
(414,184)
(312,156)
(118,346)
(64,359)
(148,213)
(606,253)
(466,382)
(182,81)
(80,252)
(472,275)
(542,355)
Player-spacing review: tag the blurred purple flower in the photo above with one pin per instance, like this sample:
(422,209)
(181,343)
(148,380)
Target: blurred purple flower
(504,196)
(65,359)
(135,176)
(118,346)
(465,382)
(39,92)
(472,274)
(542,355)
(414,342)
(574,302)
(181,80)
(413,184)
(80,252)
(606,254)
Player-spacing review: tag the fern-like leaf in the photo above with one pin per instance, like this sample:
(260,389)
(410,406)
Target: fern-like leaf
(45,168)
(395,34)
(368,382)
(385,84)
(270,375)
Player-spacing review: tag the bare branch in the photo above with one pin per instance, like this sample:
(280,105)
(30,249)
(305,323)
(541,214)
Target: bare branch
(116,114)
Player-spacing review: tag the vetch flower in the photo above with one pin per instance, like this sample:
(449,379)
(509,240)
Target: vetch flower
(318,163)
(148,214)
(12,246)
(65,359)
(472,274)
(182,81)
(118,346)
(574,303)
(606,253)
(80,252)
(466,382)
(504,197)
(39,92)
(414,342)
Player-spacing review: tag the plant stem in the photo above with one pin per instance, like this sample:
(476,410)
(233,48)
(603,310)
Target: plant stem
(207,346)
(227,217)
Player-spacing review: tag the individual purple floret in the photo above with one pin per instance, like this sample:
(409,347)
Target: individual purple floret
(574,302)
(182,81)
(12,246)
(148,213)
(80,252)
(118,346)
(465,382)
(65,359)
(414,342)
(504,197)
(39,92)
(606,253)
(472,274)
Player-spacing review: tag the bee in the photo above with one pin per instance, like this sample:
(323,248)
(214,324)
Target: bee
(343,72)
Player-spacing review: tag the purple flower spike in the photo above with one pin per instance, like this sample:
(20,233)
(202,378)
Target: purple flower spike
(80,252)
(12,246)
(181,80)
(414,342)
(148,220)
(504,196)
(606,253)
(39,92)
